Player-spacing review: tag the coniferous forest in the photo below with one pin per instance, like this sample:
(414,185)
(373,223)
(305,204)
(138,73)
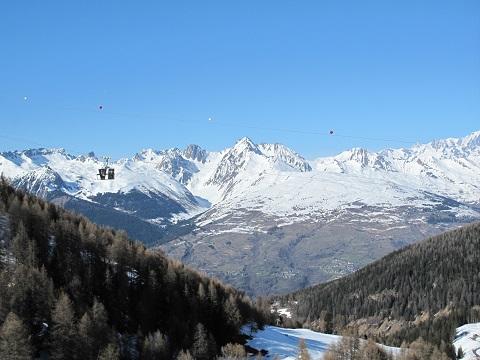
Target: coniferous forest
(424,290)
(72,290)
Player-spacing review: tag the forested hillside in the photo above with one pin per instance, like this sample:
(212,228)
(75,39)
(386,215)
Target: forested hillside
(72,290)
(426,290)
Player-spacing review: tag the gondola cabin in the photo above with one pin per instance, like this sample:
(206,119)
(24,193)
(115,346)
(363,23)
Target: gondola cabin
(102,173)
(106,172)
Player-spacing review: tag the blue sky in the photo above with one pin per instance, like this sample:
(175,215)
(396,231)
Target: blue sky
(399,70)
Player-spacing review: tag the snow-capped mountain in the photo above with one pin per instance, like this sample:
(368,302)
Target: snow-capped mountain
(142,199)
(277,220)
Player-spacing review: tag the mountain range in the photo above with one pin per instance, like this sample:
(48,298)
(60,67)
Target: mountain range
(260,216)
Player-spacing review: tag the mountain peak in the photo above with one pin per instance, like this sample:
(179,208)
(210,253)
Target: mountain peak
(245,141)
(472,140)
(245,144)
(282,154)
(40,181)
(44,151)
(195,152)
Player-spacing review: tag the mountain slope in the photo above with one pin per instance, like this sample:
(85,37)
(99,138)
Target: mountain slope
(272,230)
(58,270)
(426,289)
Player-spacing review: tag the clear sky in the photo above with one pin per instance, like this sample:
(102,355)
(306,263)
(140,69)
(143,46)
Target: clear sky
(404,70)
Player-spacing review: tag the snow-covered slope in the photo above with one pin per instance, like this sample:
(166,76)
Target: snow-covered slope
(42,171)
(278,222)
(282,343)
(468,338)
(276,181)
(141,194)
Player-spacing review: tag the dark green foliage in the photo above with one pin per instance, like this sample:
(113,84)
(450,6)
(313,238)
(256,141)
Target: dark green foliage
(441,274)
(88,292)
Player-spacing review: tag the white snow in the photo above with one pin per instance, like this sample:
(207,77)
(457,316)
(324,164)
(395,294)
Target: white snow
(285,312)
(283,342)
(80,174)
(274,180)
(468,338)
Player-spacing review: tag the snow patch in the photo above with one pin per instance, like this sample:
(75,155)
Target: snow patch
(283,342)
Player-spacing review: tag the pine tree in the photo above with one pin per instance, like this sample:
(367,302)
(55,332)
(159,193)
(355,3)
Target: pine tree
(64,337)
(200,348)
(85,330)
(23,247)
(14,339)
(110,352)
(94,331)
(234,318)
(303,351)
(184,355)
(233,351)
(155,347)
(100,331)
(372,351)
(212,294)
(32,296)
(328,322)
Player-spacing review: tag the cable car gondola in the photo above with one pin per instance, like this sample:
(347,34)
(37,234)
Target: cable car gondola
(106,172)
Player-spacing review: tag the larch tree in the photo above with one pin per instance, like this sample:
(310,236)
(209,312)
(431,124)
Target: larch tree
(14,339)
(64,337)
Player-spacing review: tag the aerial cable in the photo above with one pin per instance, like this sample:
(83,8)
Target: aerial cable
(331,132)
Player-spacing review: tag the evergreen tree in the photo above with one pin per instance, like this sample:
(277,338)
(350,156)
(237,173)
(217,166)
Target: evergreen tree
(31,296)
(328,318)
(200,348)
(372,351)
(85,330)
(64,337)
(14,340)
(110,352)
(234,318)
(155,347)
(24,249)
(184,355)
(93,330)
(233,351)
